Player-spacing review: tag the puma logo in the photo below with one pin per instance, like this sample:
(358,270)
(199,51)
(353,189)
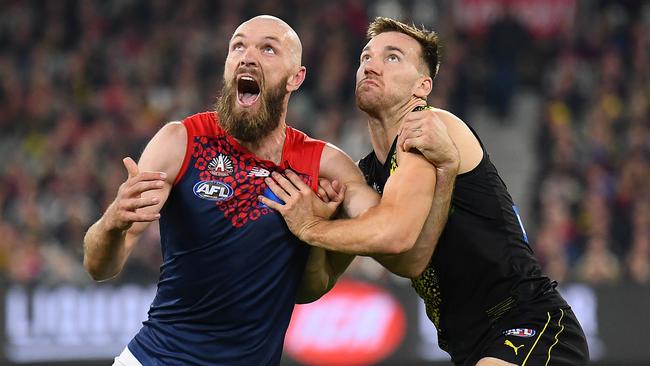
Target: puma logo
(508,343)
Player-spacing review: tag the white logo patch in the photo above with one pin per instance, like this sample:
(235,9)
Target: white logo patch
(221,166)
(258,172)
(213,190)
(520,332)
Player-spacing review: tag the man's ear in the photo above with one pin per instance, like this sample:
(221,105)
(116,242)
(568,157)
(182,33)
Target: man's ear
(295,80)
(423,88)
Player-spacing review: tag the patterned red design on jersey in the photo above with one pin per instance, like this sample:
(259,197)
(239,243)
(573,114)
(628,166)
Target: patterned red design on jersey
(244,205)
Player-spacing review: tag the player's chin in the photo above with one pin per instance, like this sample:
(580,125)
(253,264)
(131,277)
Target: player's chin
(367,103)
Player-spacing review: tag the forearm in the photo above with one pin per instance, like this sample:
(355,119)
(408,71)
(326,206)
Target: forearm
(104,251)
(379,231)
(321,273)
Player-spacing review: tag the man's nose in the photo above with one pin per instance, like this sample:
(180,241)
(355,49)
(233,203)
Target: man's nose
(248,58)
(370,67)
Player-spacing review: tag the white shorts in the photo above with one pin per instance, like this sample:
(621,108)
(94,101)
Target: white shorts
(126,358)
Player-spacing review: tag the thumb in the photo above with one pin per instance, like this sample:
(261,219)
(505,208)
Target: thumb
(131,167)
(409,144)
(340,195)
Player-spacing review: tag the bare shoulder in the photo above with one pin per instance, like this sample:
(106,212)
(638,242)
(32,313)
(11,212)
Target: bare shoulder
(469,148)
(165,152)
(448,118)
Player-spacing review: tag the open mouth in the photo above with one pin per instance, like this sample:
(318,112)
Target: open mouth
(248,90)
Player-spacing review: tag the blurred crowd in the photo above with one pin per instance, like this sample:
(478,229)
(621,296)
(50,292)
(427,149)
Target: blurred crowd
(85,83)
(593,149)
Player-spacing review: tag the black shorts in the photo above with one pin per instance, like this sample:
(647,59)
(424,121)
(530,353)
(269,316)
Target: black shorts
(537,339)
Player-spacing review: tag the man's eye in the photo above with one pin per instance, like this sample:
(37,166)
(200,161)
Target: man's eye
(392,58)
(268,49)
(237,47)
(365,58)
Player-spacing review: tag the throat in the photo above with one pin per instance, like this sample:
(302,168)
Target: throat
(382,138)
(268,148)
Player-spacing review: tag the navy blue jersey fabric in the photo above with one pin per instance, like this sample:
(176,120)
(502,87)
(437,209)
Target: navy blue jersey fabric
(231,267)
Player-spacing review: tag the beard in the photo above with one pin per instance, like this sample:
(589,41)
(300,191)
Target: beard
(245,124)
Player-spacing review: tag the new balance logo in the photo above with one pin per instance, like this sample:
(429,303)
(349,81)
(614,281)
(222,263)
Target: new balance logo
(258,172)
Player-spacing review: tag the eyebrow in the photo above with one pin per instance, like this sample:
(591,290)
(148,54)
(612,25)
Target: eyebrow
(387,48)
(393,48)
(271,38)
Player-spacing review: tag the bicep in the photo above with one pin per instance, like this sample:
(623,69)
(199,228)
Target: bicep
(164,153)
(409,190)
(337,165)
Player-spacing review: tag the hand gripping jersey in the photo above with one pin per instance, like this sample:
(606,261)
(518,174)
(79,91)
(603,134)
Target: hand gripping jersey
(230,265)
(482,267)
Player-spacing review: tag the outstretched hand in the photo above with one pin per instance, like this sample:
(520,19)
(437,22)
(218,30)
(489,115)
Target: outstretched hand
(123,212)
(302,208)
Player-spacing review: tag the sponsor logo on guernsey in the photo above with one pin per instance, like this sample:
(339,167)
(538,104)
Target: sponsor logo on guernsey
(520,332)
(220,166)
(213,190)
(258,172)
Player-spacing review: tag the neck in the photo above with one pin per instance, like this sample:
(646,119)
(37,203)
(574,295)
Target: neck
(384,124)
(270,146)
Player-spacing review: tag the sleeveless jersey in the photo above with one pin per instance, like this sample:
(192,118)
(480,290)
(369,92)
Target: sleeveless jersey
(482,267)
(231,267)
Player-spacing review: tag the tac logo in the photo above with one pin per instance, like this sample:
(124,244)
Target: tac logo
(220,166)
(213,190)
(519,332)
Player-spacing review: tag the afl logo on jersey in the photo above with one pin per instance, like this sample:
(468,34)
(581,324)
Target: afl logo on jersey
(213,190)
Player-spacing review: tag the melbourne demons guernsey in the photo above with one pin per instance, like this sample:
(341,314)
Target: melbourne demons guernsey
(482,267)
(230,267)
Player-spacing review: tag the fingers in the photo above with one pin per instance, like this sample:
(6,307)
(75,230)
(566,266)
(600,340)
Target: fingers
(137,188)
(409,133)
(277,189)
(340,195)
(410,143)
(287,184)
(131,167)
(297,181)
(322,194)
(133,204)
(415,103)
(271,203)
(328,187)
(128,216)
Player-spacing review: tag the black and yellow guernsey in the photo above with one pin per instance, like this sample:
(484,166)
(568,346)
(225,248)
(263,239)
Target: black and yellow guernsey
(483,267)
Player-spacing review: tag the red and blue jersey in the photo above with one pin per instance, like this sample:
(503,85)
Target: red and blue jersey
(231,267)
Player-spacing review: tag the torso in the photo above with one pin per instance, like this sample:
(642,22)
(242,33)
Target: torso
(482,266)
(230,265)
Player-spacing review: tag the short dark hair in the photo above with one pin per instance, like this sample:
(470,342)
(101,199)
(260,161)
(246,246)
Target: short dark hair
(427,39)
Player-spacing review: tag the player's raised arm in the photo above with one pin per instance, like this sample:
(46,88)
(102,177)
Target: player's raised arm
(110,240)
